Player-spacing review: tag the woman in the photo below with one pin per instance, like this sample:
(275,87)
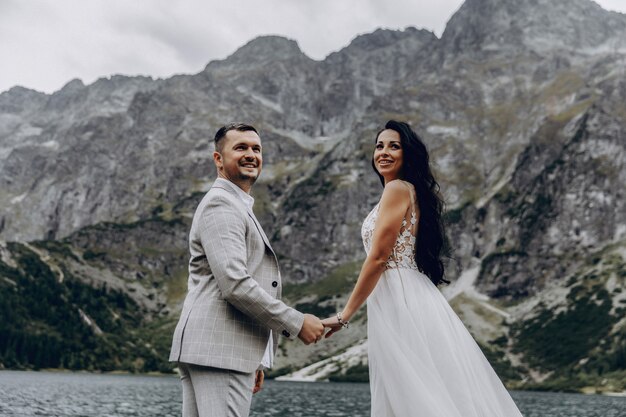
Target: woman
(423,362)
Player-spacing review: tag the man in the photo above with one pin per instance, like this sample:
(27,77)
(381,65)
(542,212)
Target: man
(232,315)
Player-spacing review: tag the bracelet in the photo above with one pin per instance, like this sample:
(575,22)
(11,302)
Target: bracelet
(344,324)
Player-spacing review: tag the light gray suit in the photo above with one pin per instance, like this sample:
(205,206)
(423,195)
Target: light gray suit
(234,289)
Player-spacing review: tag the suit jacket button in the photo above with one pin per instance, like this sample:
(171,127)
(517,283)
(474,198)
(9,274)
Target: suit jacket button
(274,284)
(286,333)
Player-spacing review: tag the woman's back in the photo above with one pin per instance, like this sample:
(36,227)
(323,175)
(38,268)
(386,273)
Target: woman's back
(403,253)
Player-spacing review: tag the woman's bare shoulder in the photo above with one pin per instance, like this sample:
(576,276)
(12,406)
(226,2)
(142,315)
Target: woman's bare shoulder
(396,192)
(399,186)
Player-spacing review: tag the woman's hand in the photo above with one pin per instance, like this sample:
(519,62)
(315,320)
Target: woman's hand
(333,324)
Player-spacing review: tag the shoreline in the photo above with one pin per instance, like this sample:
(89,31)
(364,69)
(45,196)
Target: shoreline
(94,372)
(583,391)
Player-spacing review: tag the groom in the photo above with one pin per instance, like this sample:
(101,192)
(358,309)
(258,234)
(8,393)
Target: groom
(232,314)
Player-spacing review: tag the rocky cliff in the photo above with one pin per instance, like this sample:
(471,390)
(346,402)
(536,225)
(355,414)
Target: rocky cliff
(520,102)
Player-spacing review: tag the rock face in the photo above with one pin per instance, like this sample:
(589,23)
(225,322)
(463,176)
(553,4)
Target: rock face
(521,104)
(542,26)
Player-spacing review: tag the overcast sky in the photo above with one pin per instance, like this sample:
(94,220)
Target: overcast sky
(46,43)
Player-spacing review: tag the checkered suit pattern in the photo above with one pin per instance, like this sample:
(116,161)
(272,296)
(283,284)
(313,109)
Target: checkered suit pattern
(234,288)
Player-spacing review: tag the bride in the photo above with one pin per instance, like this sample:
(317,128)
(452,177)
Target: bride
(423,362)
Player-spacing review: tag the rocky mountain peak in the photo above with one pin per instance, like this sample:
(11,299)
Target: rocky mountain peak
(72,86)
(382,38)
(17,99)
(537,25)
(265,48)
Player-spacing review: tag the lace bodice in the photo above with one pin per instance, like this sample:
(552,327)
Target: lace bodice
(403,253)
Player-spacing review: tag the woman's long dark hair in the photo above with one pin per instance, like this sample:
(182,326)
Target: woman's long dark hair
(416,170)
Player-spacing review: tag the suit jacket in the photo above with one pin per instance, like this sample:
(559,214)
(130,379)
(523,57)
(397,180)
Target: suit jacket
(234,288)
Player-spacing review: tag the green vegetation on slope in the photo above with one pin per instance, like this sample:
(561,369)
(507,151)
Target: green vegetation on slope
(52,323)
(581,344)
(553,341)
(338,282)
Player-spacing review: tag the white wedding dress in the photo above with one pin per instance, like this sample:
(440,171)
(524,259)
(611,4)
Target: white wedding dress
(423,361)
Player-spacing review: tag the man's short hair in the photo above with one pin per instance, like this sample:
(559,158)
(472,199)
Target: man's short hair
(221,133)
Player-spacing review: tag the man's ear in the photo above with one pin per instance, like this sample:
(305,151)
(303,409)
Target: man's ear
(217,159)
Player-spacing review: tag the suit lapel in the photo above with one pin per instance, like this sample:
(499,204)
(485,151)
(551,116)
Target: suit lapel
(227,186)
(260,229)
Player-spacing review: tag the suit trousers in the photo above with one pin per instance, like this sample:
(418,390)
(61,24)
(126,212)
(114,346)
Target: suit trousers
(215,392)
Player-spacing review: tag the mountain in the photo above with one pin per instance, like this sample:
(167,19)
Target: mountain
(541,26)
(521,104)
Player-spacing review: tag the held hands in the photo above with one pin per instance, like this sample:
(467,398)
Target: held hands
(333,324)
(312,329)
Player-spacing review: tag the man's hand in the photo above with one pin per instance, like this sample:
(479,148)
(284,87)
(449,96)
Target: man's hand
(258,381)
(312,329)
(333,324)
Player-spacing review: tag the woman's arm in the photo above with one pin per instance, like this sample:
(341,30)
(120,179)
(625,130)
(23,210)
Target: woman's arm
(393,206)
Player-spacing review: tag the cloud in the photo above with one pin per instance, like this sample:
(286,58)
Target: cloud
(614,5)
(47,43)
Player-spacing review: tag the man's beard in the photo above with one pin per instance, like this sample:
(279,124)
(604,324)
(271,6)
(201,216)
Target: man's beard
(247,177)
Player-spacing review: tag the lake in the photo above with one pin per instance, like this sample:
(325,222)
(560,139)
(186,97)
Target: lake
(85,394)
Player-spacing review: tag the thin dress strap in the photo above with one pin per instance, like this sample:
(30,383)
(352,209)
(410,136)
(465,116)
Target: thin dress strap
(413,214)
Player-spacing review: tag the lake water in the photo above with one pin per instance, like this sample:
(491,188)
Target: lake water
(83,394)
